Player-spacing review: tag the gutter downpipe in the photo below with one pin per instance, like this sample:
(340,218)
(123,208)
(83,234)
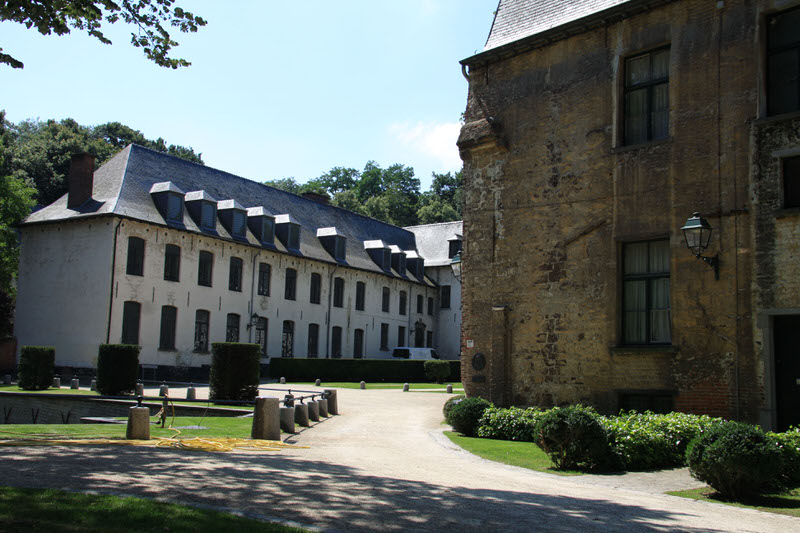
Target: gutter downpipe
(328,317)
(111,290)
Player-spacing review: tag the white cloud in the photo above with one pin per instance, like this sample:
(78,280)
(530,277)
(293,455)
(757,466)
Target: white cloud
(435,140)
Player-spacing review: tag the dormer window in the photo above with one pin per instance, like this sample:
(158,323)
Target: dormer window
(208,218)
(169,201)
(287,230)
(262,224)
(455,244)
(203,209)
(398,260)
(380,254)
(416,264)
(233,217)
(333,242)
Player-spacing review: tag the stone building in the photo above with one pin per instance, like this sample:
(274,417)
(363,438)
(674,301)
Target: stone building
(153,250)
(593,131)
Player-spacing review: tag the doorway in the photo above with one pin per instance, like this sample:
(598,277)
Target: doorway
(786,342)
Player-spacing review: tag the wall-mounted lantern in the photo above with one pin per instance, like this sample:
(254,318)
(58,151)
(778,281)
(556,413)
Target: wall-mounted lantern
(697,232)
(254,320)
(455,264)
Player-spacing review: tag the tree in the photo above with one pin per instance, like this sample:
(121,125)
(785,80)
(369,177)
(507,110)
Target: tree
(284,184)
(151,18)
(443,202)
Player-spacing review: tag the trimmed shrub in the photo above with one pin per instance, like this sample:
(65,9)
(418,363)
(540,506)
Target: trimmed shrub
(573,437)
(509,424)
(354,370)
(789,445)
(235,371)
(464,415)
(738,460)
(448,405)
(36,364)
(117,366)
(436,370)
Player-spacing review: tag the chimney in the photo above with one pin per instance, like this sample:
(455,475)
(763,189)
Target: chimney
(316,197)
(80,181)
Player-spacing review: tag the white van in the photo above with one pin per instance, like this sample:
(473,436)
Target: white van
(414,354)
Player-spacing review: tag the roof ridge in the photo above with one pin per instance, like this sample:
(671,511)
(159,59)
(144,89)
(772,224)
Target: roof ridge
(435,224)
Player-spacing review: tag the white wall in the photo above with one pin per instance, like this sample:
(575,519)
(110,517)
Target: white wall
(447,339)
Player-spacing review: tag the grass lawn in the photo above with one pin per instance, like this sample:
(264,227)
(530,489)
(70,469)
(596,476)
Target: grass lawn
(457,387)
(62,390)
(786,503)
(45,511)
(523,454)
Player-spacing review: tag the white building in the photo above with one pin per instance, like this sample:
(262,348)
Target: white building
(154,250)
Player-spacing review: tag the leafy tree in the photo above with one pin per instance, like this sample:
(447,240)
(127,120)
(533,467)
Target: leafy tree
(338,179)
(284,184)
(151,18)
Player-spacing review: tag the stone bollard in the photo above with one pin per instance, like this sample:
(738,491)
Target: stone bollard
(140,389)
(301,415)
(56,383)
(323,407)
(93,386)
(449,389)
(191,392)
(138,424)
(405,387)
(287,419)
(283,381)
(316,383)
(333,402)
(266,419)
(363,385)
(75,384)
(313,411)
(288,400)
(164,389)
(7,379)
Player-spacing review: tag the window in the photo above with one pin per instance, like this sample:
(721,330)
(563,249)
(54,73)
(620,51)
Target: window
(430,306)
(131,311)
(646,115)
(791,182)
(384,336)
(287,340)
(444,296)
(135,256)
(429,339)
(313,340)
(358,344)
(339,249)
(235,275)
(172,263)
(290,287)
(338,292)
(361,290)
(385,300)
(208,216)
(454,248)
(261,335)
(201,320)
(316,288)
(264,274)
(238,225)
(232,328)
(293,237)
(205,268)
(169,318)
(336,342)
(401,336)
(645,293)
(420,304)
(783,62)
(403,302)
(174,208)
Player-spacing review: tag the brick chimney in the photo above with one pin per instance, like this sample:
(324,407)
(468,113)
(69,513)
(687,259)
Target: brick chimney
(81,180)
(319,198)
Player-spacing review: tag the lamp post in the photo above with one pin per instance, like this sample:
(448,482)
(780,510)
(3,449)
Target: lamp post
(697,233)
(455,264)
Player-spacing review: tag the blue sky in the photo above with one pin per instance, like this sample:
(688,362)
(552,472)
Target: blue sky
(276,89)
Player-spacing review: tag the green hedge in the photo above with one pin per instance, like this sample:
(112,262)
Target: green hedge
(36,367)
(235,371)
(464,416)
(117,366)
(437,370)
(355,370)
(512,423)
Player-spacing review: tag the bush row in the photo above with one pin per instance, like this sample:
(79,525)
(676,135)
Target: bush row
(354,370)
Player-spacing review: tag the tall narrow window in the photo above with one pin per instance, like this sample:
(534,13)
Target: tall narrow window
(384,337)
(316,288)
(208,216)
(361,290)
(238,224)
(135,256)
(645,293)
(430,306)
(336,342)
(385,300)
(131,311)
(444,296)
(201,320)
(264,275)
(403,302)
(646,112)
(338,292)
(783,62)
(313,340)
(791,182)
(172,263)
(429,339)
(235,275)
(261,335)
(290,288)
(232,328)
(169,318)
(358,344)
(205,268)
(287,340)
(174,208)
(401,336)
(420,304)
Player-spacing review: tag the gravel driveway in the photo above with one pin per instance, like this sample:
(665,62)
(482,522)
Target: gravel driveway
(384,465)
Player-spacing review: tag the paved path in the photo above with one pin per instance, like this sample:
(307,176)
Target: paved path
(384,465)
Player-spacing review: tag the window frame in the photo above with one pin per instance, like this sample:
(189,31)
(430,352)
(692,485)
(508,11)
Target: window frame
(790,190)
(313,341)
(166,338)
(264,278)
(444,296)
(769,53)
(172,262)
(315,291)
(201,343)
(649,87)
(358,343)
(336,342)
(127,332)
(401,336)
(648,278)
(290,284)
(361,295)
(385,299)
(402,306)
(135,263)
(338,292)
(235,274)
(420,304)
(287,339)
(205,268)
(233,328)
(384,337)
(262,325)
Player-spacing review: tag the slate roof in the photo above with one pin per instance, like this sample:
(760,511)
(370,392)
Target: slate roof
(122,187)
(432,242)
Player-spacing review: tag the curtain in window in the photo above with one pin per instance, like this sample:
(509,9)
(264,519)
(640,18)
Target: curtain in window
(635,306)
(659,310)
